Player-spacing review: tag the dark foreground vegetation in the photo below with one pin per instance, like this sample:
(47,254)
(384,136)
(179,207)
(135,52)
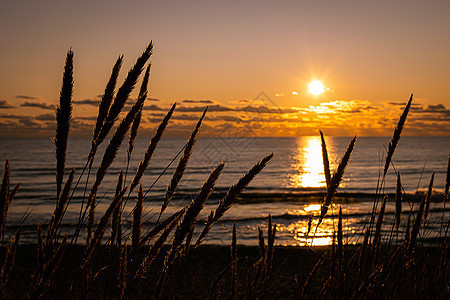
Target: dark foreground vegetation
(167,262)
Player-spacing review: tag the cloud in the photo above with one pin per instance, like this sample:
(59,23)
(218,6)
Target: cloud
(43,105)
(152,107)
(11,116)
(87,102)
(436,107)
(211,108)
(92,118)
(28,97)
(413,105)
(257,119)
(152,99)
(248,109)
(4,104)
(198,101)
(266,110)
(46,117)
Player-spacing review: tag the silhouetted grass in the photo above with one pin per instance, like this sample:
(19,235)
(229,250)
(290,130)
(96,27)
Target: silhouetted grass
(160,264)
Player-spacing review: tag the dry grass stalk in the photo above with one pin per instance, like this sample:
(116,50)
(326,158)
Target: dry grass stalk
(310,219)
(407,231)
(162,225)
(326,163)
(181,167)
(91,219)
(447,182)
(364,247)
(105,103)
(233,262)
(418,220)
(13,193)
(271,231)
(340,240)
(111,150)
(63,118)
(42,280)
(137,216)
(151,148)
(58,214)
(40,255)
(8,264)
(335,180)
(428,201)
(156,247)
(4,196)
(262,245)
(123,93)
(232,194)
(398,201)
(137,119)
(377,236)
(187,225)
(121,278)
(40,250)
(333,253)
(100,230)
(396,137)
(116,220)
(304,290)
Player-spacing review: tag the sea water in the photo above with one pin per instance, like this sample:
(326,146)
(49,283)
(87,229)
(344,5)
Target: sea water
(290,188)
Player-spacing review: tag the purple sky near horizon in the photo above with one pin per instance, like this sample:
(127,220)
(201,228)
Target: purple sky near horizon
(370,55)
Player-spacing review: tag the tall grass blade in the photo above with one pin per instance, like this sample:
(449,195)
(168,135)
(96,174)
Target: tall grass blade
(137,216)
(187,226)
(428,200)
(232,194)
(105,104)
(113,147)
(63,119)
(124,92)
(162,225)
(377,236)
(419,216)
(4,196)
(447,181)
(137,119)
(121,278)
(100,230)
(396,137)
(326,163)
(336,180)
(151,148)
(181,167)
(233,262)
(398,201)
(58,214)
(117,218)
(340,240)
(8,263)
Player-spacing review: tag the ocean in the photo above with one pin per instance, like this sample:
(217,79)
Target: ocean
(290,188)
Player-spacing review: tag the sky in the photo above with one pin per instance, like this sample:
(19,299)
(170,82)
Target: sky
(250,61)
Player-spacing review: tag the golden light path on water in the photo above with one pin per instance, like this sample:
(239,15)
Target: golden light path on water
(309,164)
(304,233)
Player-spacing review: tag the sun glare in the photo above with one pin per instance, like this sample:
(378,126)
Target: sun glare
(316,87)
(309,163)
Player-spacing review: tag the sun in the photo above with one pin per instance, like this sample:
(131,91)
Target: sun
(316,87)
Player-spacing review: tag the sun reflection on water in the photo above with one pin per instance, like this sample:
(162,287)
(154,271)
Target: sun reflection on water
(309,164)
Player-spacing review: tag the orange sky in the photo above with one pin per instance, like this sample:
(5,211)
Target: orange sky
(243,58)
